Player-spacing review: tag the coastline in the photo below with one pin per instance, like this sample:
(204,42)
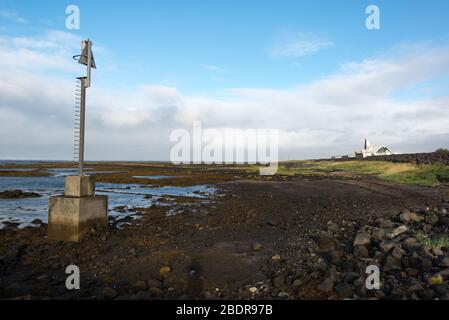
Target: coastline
(280,237)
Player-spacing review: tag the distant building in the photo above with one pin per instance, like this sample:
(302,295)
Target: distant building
(369,150)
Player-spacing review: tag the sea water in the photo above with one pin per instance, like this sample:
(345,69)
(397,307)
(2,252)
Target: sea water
(24,211)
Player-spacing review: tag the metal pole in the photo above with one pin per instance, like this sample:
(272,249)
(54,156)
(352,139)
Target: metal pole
(85,83)
(89,61)
(82,125)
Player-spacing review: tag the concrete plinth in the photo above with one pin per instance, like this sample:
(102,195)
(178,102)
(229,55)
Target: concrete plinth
(71,217)
(79,186)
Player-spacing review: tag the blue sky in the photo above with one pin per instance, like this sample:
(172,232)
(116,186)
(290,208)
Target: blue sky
(215,50)
(172,41)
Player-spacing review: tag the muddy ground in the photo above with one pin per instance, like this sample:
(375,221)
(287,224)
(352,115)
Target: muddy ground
(285,237)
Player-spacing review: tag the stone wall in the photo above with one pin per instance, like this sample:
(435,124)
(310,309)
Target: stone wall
(441,156)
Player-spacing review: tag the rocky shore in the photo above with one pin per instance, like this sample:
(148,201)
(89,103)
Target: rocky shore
(286,237)
(411,250)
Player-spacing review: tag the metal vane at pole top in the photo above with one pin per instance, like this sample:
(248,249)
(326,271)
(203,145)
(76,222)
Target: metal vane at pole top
(86,58)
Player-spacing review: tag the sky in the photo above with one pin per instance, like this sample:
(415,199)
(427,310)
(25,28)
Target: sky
(310,69)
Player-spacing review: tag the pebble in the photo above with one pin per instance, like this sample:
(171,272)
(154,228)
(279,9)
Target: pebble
(362,239)
(296,283)
(325,241)
(361,251)
(257,246)
(164,271)
(443,262)
(436,280)
(326,286)
(344,289)
(332,227)
(155,292)
(398,231)
(253,290)
(426,294)
(276,257)
(109,293)
(140,285)
(279,282)
(408,216)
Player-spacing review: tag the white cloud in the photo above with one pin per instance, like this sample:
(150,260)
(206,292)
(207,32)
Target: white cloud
(299,45)
(213,68)
(329,116)
(51,51)
(12,16)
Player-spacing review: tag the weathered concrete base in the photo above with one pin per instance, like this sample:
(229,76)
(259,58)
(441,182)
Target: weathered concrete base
(70,218)
(79,186)
(72,215)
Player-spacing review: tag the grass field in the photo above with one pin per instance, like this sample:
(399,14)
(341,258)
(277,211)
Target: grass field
(407,173)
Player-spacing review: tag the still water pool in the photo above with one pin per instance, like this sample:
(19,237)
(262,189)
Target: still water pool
(24,211)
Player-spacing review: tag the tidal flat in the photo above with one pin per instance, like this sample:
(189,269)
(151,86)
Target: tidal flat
(224,232)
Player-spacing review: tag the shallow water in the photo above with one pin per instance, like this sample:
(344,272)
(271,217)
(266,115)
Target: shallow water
(154,177)
(24,211)
(64,172)
(23,162)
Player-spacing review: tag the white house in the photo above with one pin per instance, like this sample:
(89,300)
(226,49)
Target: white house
(369,150)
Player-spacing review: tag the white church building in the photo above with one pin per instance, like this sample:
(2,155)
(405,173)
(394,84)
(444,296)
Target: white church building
(370,150)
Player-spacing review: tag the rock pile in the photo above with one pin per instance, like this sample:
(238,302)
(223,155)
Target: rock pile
(410,249)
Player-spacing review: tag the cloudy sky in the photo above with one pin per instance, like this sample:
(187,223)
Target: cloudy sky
(310,69)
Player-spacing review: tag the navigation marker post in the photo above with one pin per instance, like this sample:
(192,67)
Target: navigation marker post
(72,215)
(85,58)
